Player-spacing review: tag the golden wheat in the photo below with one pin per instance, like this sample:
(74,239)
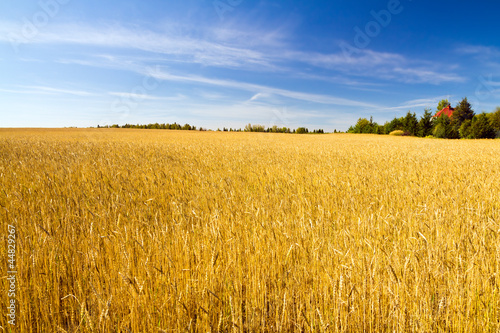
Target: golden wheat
(161,231)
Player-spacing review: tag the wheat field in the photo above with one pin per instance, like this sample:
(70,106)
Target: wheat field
(175,231)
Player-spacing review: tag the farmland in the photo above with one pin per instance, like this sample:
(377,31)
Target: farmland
(161,231)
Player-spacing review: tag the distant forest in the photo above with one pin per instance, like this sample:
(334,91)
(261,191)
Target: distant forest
(463,124)
(248,128)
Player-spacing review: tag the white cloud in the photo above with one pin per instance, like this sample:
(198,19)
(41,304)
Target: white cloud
(258,96)
(430,102)
(47,91)
(179,47)
(486,56)
(61,91)
(486,51)
(255,88)
(210,95)
(237,49)
(136,97)
(365,59)
(377,65)
(422,75)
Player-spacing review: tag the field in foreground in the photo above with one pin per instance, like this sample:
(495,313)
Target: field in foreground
(161,231)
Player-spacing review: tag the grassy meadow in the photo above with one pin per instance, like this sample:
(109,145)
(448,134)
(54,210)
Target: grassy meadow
(180,231)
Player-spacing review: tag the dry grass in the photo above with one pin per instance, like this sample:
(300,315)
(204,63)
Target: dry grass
(161,231)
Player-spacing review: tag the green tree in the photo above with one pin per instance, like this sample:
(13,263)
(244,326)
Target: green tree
(248,128)
(439,131)
(259,128)
(363,125)
(463,111)
(450,132)
(495,121)
(410,123)
(442,104)
(302,130)
(425,124)
(481,127)
(443,128)
(465,130)
(393,125)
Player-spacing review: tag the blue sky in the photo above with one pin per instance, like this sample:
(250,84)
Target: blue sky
(320,64)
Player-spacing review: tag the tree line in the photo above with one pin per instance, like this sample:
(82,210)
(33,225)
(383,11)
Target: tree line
(248,128)
(464,123)
(173,126)
(276,129)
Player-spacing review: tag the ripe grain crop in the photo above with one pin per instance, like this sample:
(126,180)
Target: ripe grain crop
(162,231)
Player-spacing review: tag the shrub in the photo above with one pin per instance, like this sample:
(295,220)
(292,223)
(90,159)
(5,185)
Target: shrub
(425,124)
(466,129)
(397,133)
(495,119)
(463,112)
(439,131)
(255,128)
(481,128)
(395,124)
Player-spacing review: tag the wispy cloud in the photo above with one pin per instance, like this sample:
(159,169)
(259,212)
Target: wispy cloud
(380,65)
(258,96)
(211,95)
(237,49)
(46,91)
(366,58)
(429,102)
(485,56)
(60,91)
(480,50)
(422,75)
(255,88)
(179,47)
(22,91)
(241,113)
(136,97)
